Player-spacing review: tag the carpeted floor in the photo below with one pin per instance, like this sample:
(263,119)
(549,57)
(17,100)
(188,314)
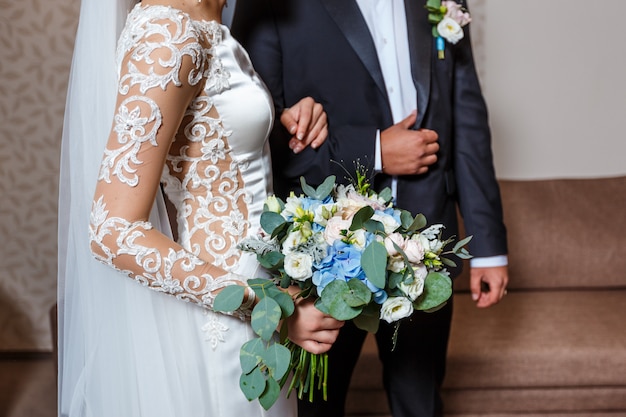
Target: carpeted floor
(27,386)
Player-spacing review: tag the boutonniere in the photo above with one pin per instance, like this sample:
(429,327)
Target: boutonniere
(448,19)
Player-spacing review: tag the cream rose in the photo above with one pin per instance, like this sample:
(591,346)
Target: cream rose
(414,251)
(396,238)
(396,308)
(333,229)
(298,265)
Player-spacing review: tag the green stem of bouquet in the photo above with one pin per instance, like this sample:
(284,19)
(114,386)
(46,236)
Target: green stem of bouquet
(310,372)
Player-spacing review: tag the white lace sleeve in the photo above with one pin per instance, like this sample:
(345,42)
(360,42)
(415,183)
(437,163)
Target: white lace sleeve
(163,66)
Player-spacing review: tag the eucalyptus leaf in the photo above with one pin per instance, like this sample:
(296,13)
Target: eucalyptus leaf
(270,395)
(285,302)
(369,319)
(461,243)
(406,219)
(418,223)
(250,354)
(340,310)
(229,298)
(333,300)
(277,358)
(253,384)
(265,318)
(322,191)
(271,260)
(394,280)
(270,221)
(448,262)
(437,290)
(359,295)
(374,263)
(321,305)
(360,217)
(386,194)
(374,226)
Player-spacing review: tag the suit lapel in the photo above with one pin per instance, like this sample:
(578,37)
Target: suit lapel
(348,17)
(420,48)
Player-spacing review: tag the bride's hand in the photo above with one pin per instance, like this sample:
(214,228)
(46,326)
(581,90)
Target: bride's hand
(307,123)
(311,329)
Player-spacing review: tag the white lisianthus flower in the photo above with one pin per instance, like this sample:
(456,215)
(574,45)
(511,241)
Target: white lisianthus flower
(389,223)
(396,308)
(292,241)
(450,30)
(414,251)
(396,238)
(396,263)
(292,204)
(333,229)
(358,238)
(299,266)
(416,288)
(273,204)
(323,212)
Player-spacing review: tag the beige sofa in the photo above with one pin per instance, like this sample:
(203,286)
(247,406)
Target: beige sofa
(556,345)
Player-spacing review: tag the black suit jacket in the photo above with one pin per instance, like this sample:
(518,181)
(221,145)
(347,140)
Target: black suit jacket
(323,49)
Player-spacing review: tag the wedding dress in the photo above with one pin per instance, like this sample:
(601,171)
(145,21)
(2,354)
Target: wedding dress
(138,337)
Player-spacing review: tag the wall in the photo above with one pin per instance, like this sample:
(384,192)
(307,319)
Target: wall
(552,73)
(36,40)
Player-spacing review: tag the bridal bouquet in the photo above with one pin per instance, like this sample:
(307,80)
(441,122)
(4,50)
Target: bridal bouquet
(363,259)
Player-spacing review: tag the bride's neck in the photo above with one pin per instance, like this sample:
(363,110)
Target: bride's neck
(197,10)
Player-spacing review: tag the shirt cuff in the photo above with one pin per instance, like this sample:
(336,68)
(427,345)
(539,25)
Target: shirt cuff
(378,163)
(489,261)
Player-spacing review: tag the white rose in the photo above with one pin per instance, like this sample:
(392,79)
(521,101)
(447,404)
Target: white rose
(333,229)
(396,238)
(389,223)
(414,251)
(450,30)
(299,266)
(396,308)
(416,288)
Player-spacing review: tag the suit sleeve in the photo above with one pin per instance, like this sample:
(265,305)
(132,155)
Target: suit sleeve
(477,187)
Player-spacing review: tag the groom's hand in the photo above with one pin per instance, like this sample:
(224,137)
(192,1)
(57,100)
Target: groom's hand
(307,123)
(406,151)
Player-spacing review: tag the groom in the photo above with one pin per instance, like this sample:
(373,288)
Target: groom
(418,121)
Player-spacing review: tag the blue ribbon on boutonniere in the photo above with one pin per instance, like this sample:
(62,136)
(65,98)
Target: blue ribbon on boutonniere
(448,19)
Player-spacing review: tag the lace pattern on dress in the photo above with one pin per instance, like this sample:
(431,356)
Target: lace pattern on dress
(213,204)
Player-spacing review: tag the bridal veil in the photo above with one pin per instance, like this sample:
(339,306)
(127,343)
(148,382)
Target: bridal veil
(96,303)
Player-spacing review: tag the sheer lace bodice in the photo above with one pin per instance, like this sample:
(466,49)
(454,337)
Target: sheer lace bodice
(205,140)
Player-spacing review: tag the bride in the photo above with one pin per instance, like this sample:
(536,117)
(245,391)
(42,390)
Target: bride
(179,110)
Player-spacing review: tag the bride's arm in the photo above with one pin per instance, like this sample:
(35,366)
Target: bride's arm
(160,74)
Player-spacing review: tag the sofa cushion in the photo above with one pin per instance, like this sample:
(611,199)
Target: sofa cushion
(539,339)
(566,233)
